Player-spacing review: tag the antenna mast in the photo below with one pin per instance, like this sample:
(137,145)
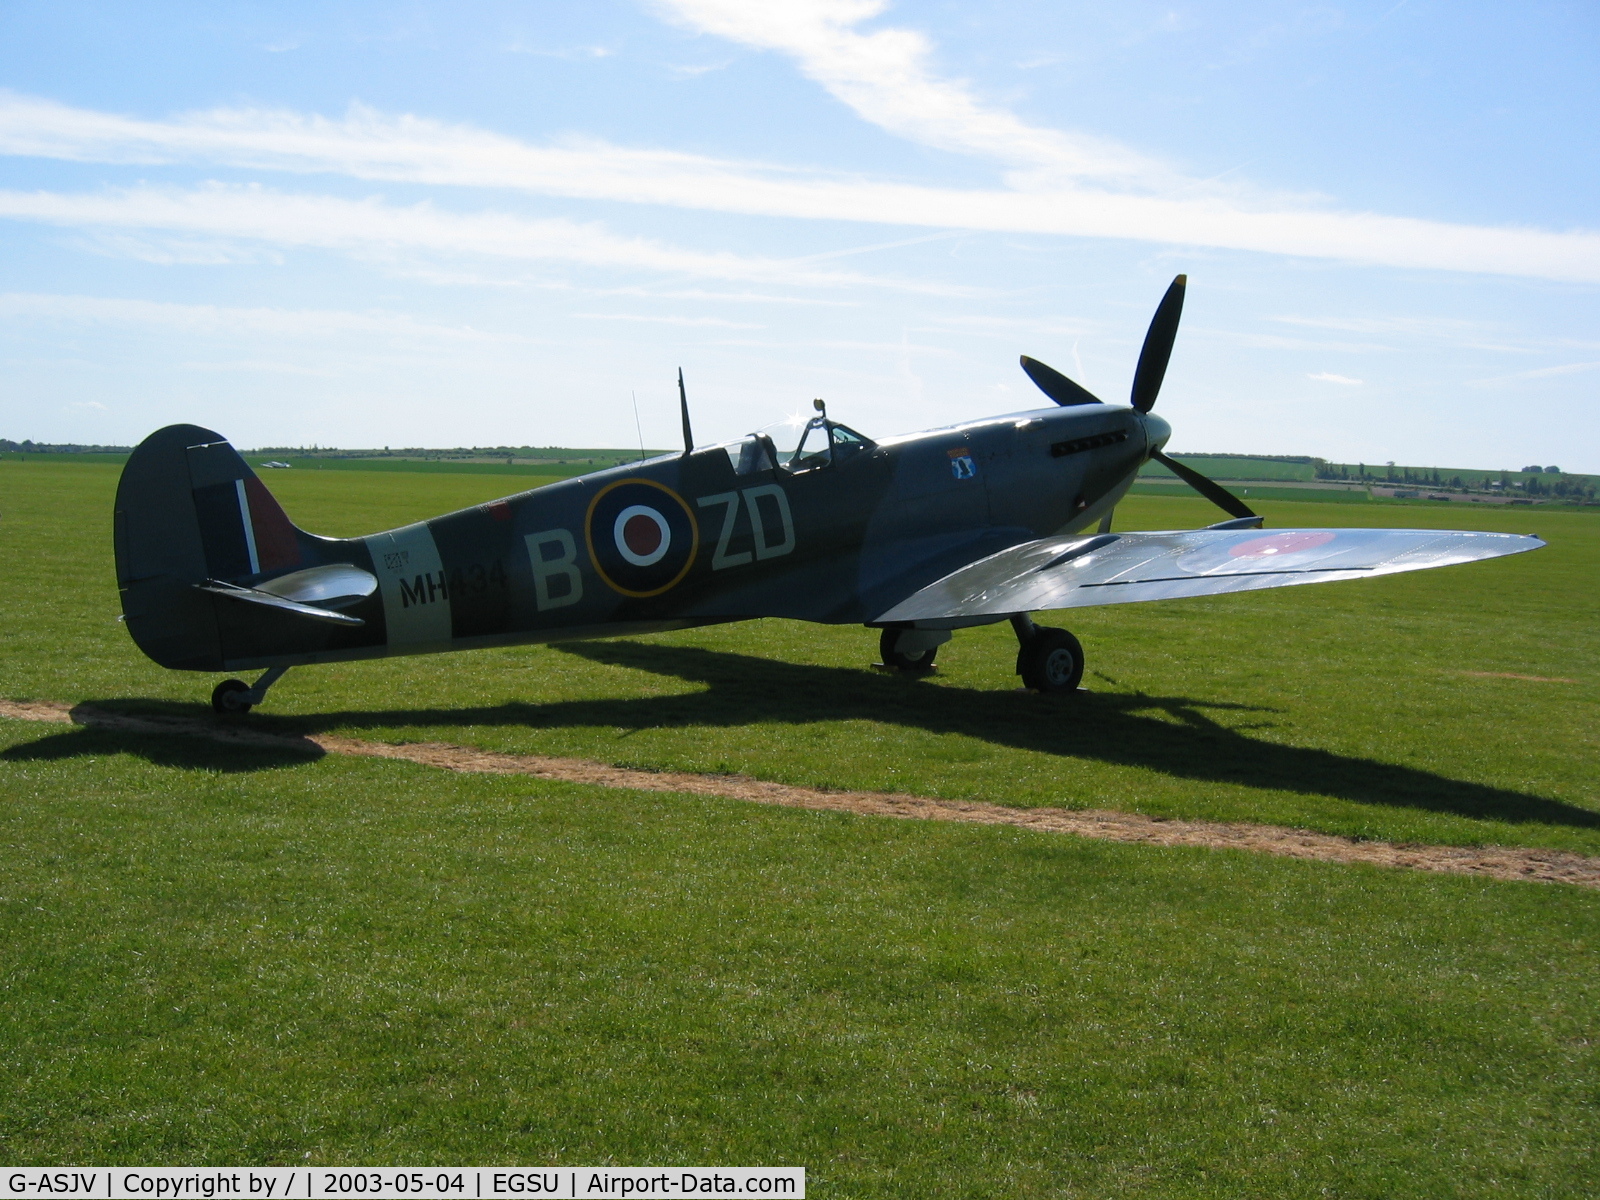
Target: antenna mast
(637,428)
(683,405)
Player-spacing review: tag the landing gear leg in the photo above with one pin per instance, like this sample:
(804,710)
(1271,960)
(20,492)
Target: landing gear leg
(911,649)
(234,697)
(1049,660)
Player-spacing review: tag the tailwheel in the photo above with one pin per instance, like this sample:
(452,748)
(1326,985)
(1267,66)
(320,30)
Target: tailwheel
(1050,660)
(910,649)
(231,697)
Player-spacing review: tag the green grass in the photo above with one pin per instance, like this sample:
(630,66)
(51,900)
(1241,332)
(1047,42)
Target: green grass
(1341,707)
(216,955)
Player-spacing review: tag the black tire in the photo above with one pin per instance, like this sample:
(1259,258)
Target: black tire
(227,698)
(921,661)
(1051,661)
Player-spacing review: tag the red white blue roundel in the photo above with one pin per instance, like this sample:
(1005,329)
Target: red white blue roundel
(642,537)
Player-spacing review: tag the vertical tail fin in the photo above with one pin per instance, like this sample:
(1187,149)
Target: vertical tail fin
(189,509)
(243,530)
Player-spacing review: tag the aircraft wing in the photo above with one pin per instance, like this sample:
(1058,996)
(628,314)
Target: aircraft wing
(1077,571)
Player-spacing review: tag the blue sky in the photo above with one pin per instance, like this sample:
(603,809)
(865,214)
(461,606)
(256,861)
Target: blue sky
(425,224)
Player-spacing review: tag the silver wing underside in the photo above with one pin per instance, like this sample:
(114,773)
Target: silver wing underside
(1078,571)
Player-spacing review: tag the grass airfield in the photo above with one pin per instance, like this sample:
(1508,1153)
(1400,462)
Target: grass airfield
(209,955)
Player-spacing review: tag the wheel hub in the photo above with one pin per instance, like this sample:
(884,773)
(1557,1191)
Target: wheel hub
(1059,665)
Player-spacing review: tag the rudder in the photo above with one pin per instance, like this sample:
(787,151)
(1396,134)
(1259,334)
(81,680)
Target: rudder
(189,509)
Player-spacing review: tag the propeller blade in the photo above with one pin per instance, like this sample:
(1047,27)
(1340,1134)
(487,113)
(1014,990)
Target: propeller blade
(1214,492)
(1158,346)
(1056,385)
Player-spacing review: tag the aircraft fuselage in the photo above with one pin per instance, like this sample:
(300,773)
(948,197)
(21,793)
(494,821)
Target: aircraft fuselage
(701,538)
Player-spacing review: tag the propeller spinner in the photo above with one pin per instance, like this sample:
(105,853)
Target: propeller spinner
(1147,378)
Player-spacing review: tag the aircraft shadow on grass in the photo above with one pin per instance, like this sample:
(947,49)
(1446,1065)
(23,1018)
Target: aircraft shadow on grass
(161,749)
(1168,734)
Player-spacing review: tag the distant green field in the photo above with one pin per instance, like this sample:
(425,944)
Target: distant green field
(211,955)
(17,456)
(412,467)
(1256,491)
(1240,467)
(578,461)
(1222,466)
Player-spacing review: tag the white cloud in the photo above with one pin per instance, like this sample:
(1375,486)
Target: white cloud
(373,227)
(214,319)
(369,145)
(1473,335)
(725,297)
(256,366)
(571,53)
(168,251)
(1577,368)
(717,322)
(1273,341)
(1007,328)
(1431,327)
(1330,377)
(886,78)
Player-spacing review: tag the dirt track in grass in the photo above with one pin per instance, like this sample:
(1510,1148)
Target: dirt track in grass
(1496,862)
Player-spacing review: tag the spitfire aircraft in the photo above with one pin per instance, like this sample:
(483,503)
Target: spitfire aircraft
(915,536)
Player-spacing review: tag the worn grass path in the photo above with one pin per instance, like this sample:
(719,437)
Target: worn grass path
(1494,862)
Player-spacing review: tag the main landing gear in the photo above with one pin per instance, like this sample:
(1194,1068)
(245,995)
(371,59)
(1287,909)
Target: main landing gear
(1049,660)
(235,697)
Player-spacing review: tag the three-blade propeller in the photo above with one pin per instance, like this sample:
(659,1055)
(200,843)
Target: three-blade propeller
(1147,377)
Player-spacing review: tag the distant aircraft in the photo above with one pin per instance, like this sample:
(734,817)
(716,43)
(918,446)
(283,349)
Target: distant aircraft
(278,465)
(915,536)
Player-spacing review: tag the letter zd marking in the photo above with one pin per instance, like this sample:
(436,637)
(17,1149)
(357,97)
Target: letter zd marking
(765,549)
(752,499)
(721,560)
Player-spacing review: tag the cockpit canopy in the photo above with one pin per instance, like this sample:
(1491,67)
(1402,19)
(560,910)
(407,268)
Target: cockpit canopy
(822,443)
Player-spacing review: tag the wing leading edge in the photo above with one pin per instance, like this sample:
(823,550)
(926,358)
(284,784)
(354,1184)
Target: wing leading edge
(1078,571)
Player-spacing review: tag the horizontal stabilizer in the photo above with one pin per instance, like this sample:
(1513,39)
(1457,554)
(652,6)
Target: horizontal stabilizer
(1077,572)
(336,585)
(282,603)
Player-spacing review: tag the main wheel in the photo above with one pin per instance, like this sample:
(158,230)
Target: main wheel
(920,660)
(1051,661)
(228,697)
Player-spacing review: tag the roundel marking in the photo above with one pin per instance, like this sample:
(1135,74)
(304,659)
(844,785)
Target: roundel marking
(1282,543)
(642,537)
